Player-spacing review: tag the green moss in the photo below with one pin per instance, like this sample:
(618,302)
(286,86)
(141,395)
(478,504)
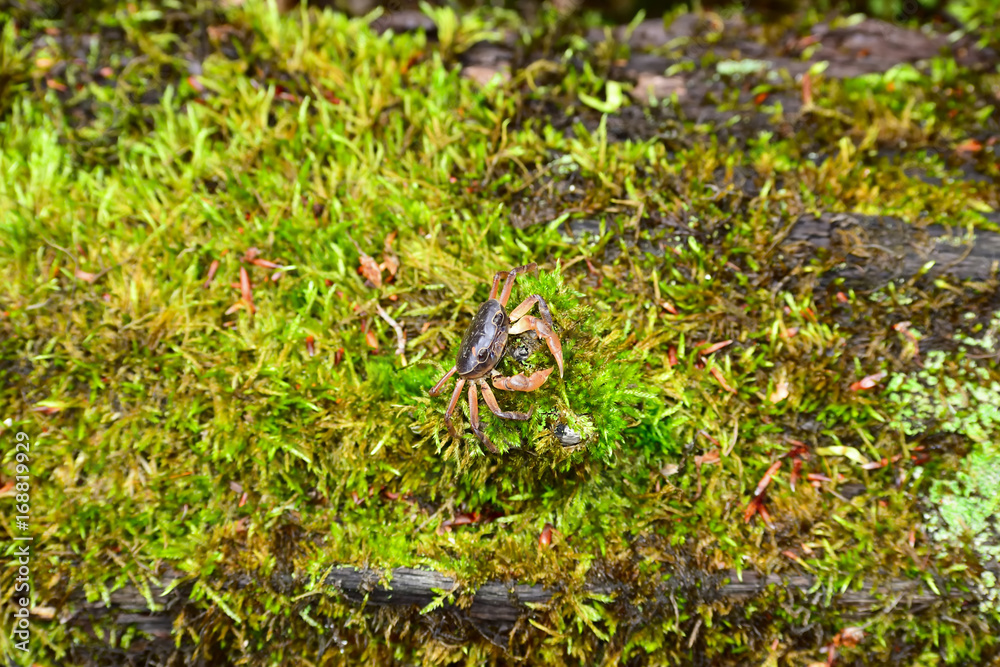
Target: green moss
(962,397)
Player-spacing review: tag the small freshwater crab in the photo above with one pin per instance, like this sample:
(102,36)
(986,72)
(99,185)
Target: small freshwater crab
(483,346)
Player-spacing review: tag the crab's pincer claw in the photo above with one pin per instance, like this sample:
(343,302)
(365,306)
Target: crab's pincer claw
(542,326)
(520,382)
(552,340)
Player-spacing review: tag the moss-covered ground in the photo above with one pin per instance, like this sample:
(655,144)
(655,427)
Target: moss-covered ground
(191,198)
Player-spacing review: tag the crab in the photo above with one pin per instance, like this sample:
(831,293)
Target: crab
(483,346)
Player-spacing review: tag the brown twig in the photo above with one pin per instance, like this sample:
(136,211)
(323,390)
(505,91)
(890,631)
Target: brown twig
(400,334)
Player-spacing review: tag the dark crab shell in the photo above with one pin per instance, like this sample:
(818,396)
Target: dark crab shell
(483,342)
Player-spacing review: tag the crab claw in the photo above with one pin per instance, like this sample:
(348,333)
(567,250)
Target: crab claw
(546,333)
(520,382)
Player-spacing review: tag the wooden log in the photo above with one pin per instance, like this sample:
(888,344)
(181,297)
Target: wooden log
(873,250)
(497,602)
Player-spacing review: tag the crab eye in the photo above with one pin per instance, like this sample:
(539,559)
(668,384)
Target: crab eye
(483,353)
(498,319)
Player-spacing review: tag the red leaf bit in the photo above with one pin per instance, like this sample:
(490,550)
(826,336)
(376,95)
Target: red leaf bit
(807,90)
(751,509)
(593,271)
(212,268)
(969,146)
(267,264)
(703,432)
(246,291)
(796,473)
(371,339)
(86,276)
(708,458)
(766,479)
(765,515)
(368,267)
(462,519)
(672,356)
(310,346)
(338,356)
(868,381)
(390,262)
(715,347)
(545,537)
(798,449)
(722,381)
(852,636)
(875,465)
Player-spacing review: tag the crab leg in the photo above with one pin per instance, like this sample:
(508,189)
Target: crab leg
(496,282)
(491,403)
(451,407)
(520,382)
(544,331)
(523,308)
(508,284)
(437,388)
(474,418)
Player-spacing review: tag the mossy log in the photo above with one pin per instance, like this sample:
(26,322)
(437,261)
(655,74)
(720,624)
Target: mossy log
(873,250)
(503,603)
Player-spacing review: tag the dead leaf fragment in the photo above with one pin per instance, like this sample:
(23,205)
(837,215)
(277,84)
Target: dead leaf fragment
(368,267)
(969,146)
(390,262)
(707,458)
(212,268)
(780,392)
(484,75)
(86,276)
(868,381)
(246,291)
(717,374)
(545,537)
(657,86)
(715,347)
